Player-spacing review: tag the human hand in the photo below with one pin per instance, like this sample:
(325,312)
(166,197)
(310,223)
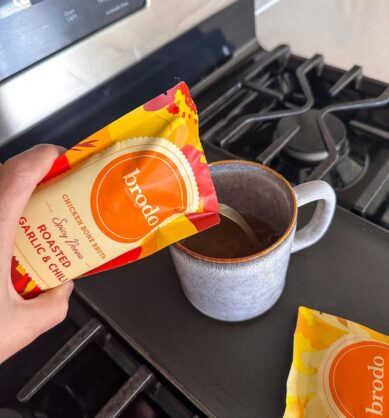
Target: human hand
(21,321)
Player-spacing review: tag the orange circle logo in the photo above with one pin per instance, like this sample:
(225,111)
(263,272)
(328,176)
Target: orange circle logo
(356,380)
(134,193)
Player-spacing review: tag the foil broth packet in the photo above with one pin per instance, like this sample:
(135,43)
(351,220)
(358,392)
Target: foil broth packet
(340,369)
(134,187)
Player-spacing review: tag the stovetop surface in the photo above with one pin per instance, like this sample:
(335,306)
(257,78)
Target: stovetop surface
(240,370)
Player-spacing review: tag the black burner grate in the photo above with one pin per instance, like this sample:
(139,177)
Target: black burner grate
(307,121)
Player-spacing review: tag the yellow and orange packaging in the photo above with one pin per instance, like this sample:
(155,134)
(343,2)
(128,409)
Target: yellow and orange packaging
(132,188)
(340,369)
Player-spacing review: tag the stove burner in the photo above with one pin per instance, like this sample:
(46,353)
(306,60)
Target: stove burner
(307,145)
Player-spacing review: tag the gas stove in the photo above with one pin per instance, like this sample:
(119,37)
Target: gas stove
(308,121)
(132,345)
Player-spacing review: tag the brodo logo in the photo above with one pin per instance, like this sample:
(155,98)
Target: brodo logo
(354,379)
(134,193)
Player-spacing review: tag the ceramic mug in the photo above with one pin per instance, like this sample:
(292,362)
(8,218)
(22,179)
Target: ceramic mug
(243,288)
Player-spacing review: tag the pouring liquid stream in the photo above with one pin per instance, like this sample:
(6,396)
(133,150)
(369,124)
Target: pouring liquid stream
(237,235)
(234,216)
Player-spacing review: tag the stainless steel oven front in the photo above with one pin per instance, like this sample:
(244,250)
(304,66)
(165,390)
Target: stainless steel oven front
(53,52)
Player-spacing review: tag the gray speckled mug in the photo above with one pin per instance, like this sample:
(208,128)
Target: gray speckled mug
(243,288)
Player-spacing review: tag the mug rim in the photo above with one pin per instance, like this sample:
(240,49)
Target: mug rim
(268,249)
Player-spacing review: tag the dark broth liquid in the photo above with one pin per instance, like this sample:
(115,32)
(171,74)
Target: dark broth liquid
(228,240)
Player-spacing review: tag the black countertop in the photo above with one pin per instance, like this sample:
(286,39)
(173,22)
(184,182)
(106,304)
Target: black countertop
(240,370)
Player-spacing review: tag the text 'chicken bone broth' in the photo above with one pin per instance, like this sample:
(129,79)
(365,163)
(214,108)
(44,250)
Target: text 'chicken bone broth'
(127,191)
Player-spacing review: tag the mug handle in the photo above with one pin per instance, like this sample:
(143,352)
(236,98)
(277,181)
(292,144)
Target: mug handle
(309,192)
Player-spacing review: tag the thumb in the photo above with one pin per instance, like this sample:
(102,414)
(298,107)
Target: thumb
(48,309)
